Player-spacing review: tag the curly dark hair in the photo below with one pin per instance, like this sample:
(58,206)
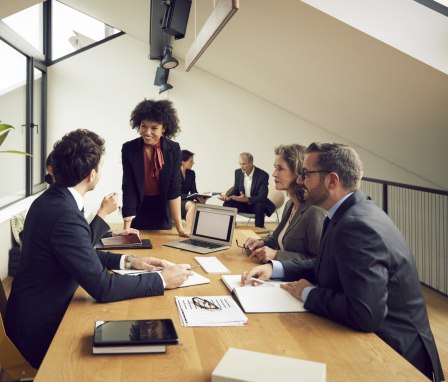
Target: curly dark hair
(162,112)
(49,166)
(75,156)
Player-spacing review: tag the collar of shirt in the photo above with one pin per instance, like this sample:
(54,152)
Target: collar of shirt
(250,175)
(78,198)
(335,206)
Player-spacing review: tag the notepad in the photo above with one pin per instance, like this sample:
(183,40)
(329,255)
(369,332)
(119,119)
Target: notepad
(228,314)
(194,279)
(197,195)
(264,298)
(131,240)
(211,265)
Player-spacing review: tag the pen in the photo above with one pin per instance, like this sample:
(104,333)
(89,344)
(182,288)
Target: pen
(261,281)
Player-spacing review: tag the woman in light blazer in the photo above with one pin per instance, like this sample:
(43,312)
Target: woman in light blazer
(297,236)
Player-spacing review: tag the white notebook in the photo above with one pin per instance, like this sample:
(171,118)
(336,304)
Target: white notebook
(211,264)
(194,279)
(263,298)
(239,365)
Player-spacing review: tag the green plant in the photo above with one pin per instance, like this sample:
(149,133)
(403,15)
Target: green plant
(4,131)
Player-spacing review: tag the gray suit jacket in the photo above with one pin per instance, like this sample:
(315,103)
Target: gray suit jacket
(302,237)
(366,279)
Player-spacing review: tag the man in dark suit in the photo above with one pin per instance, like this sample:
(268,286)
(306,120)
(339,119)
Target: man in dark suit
(57,253)
(365,276)
(250,191)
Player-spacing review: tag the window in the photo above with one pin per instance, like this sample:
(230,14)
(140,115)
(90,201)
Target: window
(73,30)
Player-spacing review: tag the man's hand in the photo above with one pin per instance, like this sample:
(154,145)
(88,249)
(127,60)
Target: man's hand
(147,263)
(262,272)
(125,232)
(108,205)
(176,275)
(264,254)
(223,197)
(240,198)
(296,288)
(252,244)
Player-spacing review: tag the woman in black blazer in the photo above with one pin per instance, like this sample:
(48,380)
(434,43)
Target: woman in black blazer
(151,169)
(188,186)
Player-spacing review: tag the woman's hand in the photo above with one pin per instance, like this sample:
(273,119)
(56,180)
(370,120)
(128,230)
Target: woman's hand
(183,233)
(252,244)
(264,254)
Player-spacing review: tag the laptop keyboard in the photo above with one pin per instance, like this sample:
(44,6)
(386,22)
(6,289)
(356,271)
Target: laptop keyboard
(200,243)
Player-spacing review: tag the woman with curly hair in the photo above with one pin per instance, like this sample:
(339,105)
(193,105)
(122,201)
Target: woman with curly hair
(151,169)
(297,236)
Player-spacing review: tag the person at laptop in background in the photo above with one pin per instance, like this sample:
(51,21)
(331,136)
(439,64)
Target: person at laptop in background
(151,169)
(365,275)
(250,191)
(57,254)
(188,186)
(98,226)
(297,237)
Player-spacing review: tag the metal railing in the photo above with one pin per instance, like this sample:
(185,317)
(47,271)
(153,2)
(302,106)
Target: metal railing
(421,214)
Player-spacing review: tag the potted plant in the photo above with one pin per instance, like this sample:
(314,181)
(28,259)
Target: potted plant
(4,131)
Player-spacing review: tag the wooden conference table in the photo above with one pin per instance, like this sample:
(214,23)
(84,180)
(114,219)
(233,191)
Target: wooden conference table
(349,355)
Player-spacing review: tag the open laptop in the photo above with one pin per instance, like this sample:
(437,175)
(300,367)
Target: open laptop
(212,230)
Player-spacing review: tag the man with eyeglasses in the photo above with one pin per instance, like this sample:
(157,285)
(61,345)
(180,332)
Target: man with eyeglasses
(364,276)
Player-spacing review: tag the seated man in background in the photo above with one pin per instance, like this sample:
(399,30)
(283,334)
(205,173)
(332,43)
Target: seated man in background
(250,191)
(57,253)
(365,275)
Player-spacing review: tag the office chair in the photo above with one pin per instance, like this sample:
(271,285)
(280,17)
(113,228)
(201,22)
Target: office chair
(276,197)
(12,363)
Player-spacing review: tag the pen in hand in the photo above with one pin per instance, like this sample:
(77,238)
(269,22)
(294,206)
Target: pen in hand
(261,281)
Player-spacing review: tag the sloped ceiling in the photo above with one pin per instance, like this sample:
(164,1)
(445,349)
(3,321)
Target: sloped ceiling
(321,70)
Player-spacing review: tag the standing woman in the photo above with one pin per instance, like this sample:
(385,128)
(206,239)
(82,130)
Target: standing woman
(297,237)
(188,186)
(151,169)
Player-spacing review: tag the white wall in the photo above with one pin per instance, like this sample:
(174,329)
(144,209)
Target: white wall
(98,89)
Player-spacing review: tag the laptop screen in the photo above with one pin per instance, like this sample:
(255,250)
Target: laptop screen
(213,224)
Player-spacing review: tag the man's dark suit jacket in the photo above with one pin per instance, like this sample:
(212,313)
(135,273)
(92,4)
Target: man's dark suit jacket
(189,184)
(258,191)
(134,178)
(56,256)
(366,279)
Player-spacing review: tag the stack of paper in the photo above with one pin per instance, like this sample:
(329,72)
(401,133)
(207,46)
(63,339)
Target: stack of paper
(227,314)
(264,298)
(211,264)
(239,365)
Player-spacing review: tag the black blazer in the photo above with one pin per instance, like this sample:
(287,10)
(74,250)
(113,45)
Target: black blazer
(367,279)
(258,191)
(133,174)
(56,256)
(188,184)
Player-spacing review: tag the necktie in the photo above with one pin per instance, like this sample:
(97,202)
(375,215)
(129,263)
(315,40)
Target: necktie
(324,228)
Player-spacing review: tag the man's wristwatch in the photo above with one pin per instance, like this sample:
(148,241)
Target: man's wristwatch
(127,262)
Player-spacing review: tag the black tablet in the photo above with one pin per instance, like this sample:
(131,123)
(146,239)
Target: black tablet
(134,333)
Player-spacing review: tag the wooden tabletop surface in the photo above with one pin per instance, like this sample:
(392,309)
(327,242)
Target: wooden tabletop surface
(348,354)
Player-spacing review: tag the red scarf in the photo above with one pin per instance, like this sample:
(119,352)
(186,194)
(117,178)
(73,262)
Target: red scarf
(157,159)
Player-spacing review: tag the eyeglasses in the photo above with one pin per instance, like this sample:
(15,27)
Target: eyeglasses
(304,173)
(205,304)
(243,247)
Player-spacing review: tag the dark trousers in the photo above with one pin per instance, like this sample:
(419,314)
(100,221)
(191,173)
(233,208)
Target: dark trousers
(154,214)
(259,209)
